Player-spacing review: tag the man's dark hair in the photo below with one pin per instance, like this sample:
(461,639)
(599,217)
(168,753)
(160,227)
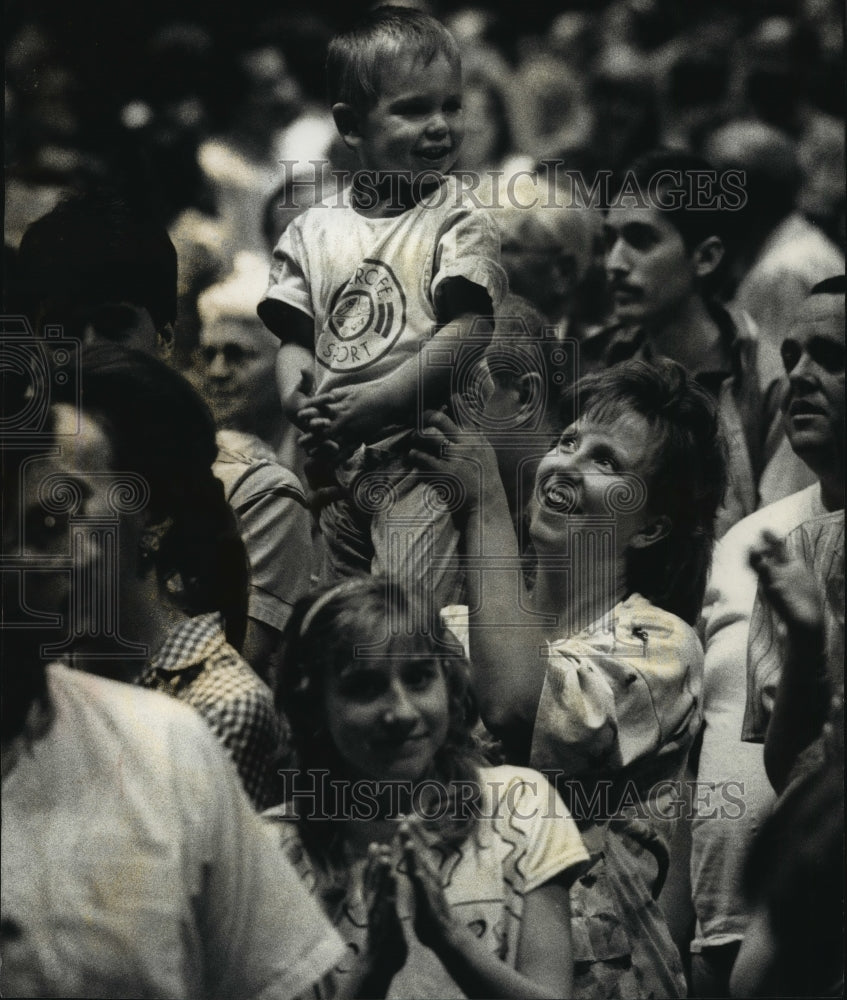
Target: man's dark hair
(694,221)
(92,250)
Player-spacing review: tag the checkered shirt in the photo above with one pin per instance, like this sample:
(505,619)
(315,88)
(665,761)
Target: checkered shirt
(198,666)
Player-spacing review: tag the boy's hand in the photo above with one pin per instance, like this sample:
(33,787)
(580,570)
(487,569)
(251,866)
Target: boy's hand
(315,421)
(788,585)
(347,416)
(442,446)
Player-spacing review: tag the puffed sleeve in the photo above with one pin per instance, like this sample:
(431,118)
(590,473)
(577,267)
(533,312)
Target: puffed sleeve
(276,528)
(613,698)
(550,844)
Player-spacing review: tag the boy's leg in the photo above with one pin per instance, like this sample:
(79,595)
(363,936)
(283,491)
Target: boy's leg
(346,541)
(415,543)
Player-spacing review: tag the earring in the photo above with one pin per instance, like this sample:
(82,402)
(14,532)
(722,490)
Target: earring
(175,586)
(152,537)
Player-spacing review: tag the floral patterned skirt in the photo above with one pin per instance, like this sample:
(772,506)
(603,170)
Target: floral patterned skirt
(622,945)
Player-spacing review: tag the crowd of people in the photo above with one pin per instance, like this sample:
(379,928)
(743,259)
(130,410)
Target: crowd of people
(451,415)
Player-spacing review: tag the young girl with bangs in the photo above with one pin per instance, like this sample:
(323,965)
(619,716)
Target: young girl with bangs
(446,877)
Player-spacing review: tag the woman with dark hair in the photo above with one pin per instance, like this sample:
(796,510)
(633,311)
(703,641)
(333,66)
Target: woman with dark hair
(445,877)
(177,588)
(159,428)
(593,676)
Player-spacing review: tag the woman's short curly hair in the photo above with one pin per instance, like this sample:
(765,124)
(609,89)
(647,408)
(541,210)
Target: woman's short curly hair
(686,480)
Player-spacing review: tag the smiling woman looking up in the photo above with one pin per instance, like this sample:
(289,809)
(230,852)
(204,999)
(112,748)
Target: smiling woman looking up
(593,676)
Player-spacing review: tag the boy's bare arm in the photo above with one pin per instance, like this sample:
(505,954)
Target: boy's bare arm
(295,360)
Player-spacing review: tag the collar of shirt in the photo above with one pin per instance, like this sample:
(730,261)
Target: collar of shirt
(624,343)
(189,644)
(240,446)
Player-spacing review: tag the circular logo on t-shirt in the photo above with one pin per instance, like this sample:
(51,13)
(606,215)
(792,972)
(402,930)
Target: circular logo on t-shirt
(366,316)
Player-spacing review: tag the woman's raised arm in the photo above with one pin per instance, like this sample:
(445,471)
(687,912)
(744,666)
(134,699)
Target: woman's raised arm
(508,653)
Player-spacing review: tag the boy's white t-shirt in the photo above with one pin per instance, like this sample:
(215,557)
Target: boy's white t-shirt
(370,283)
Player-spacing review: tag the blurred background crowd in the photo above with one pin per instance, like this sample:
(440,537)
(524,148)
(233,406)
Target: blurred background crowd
(188,108)
(189,135)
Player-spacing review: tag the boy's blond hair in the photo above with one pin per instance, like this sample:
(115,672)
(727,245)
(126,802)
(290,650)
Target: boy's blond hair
(357,57)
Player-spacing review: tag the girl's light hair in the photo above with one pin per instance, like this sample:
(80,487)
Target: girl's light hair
(327,631)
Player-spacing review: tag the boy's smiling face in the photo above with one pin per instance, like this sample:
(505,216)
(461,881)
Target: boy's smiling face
(417,123)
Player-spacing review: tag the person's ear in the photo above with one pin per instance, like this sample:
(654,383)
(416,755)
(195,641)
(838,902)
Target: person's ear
(348,124)
(530,389)
(707,256)
(165,340)
(652,532)
(150,537)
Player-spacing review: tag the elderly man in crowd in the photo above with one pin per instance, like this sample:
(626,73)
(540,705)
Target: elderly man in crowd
(236,361)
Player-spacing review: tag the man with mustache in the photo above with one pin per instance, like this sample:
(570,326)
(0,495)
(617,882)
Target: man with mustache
(813,413)
(665,257)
